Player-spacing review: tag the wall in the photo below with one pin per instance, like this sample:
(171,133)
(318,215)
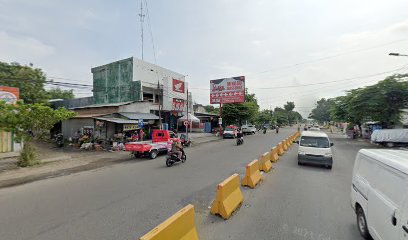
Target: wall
(72,103)
(114,83)
(5,142)
(71,126)
(99,110)
(141,107)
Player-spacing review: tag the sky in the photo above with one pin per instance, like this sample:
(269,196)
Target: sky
(288,50)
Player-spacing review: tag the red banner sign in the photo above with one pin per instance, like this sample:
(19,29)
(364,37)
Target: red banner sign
(178,86)
(227,90)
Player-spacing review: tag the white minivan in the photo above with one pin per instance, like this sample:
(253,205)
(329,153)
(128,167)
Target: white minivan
(315,148)
(379,193)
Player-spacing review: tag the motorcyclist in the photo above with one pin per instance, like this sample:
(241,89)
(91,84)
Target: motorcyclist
(277,129)
(240,136)
(264,128)
(177,148)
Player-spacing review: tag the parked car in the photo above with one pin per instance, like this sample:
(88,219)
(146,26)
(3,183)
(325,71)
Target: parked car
(390,137)
(314,129)
(315,148)
(379,193)
(230,132)
(248,129)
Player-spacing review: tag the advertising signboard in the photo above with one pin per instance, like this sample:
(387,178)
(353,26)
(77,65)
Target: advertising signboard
(9,94)
(178,86)
(227,90)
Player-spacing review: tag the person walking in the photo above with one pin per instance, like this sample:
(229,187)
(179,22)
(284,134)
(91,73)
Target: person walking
(141,134)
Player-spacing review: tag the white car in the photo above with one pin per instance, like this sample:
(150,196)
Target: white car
(379,193)
(248,129)
(314,129)
(315,148)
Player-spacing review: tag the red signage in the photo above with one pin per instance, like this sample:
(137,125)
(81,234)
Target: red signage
(9,94)
(178,86)
(227,90)
(178,104)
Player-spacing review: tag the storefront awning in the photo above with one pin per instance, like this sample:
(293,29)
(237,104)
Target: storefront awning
(117,120)
(137,116)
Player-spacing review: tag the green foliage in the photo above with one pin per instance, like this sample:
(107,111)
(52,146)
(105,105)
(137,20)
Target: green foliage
(28,156)
(236,113)
(58,93)
(28,121)
(380,102)
(289,106)
(321,112)
(29,80)
(265,116)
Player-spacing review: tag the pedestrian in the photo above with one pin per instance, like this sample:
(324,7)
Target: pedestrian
(135,136)
(141,134)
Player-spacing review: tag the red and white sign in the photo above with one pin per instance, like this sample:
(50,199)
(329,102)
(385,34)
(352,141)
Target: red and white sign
(227,90)
(178,86)
(9,94)
(178,104)
(186,123)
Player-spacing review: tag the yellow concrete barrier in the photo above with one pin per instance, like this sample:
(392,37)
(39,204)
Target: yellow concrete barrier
(265,162)
(179,226)
(288,142)
(285,145)
(252,174)
(274,154)
(228,197)
(280,149)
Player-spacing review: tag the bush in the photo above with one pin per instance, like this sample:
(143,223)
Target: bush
(28,156)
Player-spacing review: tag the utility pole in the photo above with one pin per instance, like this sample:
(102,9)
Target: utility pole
(160,118)
(187,115)
(141,15)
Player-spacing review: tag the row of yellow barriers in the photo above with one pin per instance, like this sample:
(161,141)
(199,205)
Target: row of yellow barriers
(228,197)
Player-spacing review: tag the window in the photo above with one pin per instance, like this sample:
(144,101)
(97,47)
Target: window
(317,142)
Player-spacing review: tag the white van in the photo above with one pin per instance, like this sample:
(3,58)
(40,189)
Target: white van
(379,193)
(315,148)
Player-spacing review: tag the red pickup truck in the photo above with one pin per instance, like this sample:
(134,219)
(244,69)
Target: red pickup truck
(161,143)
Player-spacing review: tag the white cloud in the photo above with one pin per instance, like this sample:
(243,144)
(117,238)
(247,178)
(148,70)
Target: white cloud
(14,47)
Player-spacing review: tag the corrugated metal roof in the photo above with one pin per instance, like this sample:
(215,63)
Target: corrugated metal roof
(88,115)
(396,159)
(137,116)
(117,120)
(103,105)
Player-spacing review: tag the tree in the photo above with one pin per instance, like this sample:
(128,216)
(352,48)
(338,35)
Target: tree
(236,113)
(289,106)
(29,80)
(30,121)
(381,102)
(265,116)
(321,112)
(58,93)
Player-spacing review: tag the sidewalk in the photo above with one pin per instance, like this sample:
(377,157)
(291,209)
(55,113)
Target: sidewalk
(199,138)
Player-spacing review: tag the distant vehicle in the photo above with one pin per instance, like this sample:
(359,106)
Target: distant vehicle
(230,132)
(248,129)
(314,129)
(161,143)
(390,137)
(315,148)
(379,193)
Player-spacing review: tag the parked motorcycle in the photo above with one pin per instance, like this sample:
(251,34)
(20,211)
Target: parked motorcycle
(59,140)
(172,158)
(240,141)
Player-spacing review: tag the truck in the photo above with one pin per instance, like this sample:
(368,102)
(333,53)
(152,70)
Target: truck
(160,144)
(390,137)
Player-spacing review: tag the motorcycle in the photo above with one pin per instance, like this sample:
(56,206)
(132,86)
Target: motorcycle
(240,141)
(59,140)
(277,130)
(264,131)
(172,158)
(184,141)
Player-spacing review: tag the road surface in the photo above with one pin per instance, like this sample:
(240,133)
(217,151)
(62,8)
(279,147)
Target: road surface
(126,200)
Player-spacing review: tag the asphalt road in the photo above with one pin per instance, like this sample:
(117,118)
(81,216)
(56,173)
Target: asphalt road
(126,200)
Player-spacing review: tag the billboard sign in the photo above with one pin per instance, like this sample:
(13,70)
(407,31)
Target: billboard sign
(227,90)
(9,94)
(178,86)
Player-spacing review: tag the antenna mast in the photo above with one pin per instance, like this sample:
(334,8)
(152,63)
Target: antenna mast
(141,15)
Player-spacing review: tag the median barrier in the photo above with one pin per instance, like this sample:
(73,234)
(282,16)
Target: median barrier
(179,226)
(280,149)
(265,162)
(284,145)
(274,154)
(228,197)
(252,174)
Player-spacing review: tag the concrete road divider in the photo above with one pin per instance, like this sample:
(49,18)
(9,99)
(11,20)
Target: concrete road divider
(280,149)
(285,145)
(265,162)
(252,174)
(274,154)
(179,226)
(228,197)
(288,142)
